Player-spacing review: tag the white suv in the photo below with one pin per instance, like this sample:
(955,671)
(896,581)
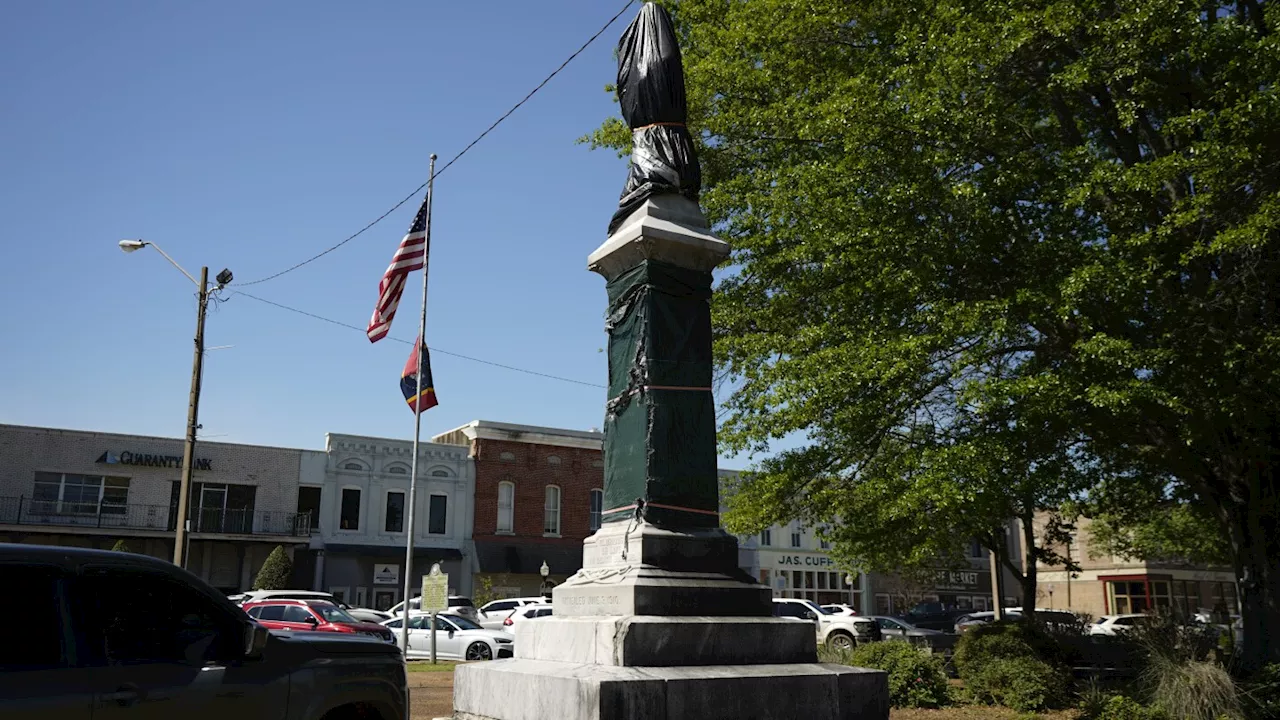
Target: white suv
(494,612)
(842,632)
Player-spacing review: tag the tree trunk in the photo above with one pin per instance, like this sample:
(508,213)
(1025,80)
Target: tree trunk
(1256,555)
(1029,574)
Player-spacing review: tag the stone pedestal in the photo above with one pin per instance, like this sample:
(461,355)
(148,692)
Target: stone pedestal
(660,623)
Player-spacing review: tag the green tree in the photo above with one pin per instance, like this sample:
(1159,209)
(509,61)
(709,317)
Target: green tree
(989,256)
(120,546)
(276,572)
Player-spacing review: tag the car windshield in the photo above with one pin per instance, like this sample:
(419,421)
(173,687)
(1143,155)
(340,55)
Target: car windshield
(462,622)
(332,613)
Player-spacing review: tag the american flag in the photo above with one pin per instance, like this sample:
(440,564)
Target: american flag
(408,258)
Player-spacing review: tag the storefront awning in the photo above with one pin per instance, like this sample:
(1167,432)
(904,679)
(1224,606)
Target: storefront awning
(391,551)
(525,558)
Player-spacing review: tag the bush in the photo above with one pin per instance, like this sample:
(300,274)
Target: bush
(276,573)
(1261,694)
(1006,640)
(1119,707)
(916,679)
(1021,683)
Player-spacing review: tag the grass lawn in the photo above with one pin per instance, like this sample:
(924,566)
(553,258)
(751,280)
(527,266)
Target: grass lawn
(975,712)
(419,666)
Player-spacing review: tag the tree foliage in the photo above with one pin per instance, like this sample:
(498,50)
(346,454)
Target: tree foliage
(990,255)
(276,572)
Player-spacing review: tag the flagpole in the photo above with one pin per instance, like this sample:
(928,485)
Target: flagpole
(417,419)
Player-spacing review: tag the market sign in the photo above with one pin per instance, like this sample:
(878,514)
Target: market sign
(957,580)
(386,574)
(147,460)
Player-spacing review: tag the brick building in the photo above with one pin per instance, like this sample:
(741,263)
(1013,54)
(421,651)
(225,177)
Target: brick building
(91,489)
(1108,584)
(538,495)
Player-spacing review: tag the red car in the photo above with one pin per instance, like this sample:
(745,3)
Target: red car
(318,615)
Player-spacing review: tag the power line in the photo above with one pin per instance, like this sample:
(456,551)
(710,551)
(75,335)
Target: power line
(432,348)
(454,159)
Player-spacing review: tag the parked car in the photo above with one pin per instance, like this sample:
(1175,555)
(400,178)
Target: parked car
(458,605)
(839,609)
(367,615)
(933,616)
(896,628)
(519,615)
(493,613)
(1113,625)
(129,636)
(312,615)
(837,631)
(457,638)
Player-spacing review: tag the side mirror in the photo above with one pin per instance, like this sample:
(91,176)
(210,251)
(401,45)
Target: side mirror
(311,619)
(810,615)
(450,633)
(255,640)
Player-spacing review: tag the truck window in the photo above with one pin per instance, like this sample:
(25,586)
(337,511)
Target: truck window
(296,614)
(134,616)
(37,640)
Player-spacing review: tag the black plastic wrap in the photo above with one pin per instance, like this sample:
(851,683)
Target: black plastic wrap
(651,92)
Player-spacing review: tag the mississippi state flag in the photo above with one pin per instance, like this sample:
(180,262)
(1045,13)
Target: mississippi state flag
(409,380)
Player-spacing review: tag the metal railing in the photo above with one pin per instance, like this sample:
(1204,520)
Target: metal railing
(51,513)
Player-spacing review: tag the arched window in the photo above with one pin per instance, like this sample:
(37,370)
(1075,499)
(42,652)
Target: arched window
(506,506)
(551,511)
(507,457)
(352,466)
(397,470)
(439,473)
(553,459)
(597,506)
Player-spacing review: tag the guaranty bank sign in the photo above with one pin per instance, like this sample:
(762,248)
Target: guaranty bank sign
(147,460)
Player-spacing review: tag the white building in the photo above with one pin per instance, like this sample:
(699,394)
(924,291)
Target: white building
(357,492)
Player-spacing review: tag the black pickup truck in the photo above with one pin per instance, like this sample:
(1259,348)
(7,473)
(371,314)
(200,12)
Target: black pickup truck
(934,616)
(96,635)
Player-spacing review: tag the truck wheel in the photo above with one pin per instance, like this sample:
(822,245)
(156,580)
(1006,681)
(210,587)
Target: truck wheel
(840,641)
(479,651)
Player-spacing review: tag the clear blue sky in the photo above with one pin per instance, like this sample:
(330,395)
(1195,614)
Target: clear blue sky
(252,135)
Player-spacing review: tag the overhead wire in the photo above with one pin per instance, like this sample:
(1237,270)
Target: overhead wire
(452,160)
(432,348)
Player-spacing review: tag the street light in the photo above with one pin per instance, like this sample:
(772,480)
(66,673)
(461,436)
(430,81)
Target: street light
(193,404)
(544,570)
(546,584)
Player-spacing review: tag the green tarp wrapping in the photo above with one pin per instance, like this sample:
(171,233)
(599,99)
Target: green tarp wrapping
(660,427)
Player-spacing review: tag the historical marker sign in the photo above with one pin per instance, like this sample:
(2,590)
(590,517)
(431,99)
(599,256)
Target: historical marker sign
(435,590)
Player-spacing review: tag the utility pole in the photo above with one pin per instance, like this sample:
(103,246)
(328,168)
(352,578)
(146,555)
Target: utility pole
(193,411)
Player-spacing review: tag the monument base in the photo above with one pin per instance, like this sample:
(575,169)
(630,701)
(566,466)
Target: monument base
(523,689)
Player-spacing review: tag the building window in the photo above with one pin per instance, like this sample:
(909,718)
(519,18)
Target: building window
(309,504)
(975,549)
(438,515)
(553,459)
(349,519)
(352,466)
(766,537)
(1129,597)
(506,506)
(597,506)
(397,470)
(394,520)
(824,544)
(507,457)
(439,473)
(70,494)
(796,540)
(551,511)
